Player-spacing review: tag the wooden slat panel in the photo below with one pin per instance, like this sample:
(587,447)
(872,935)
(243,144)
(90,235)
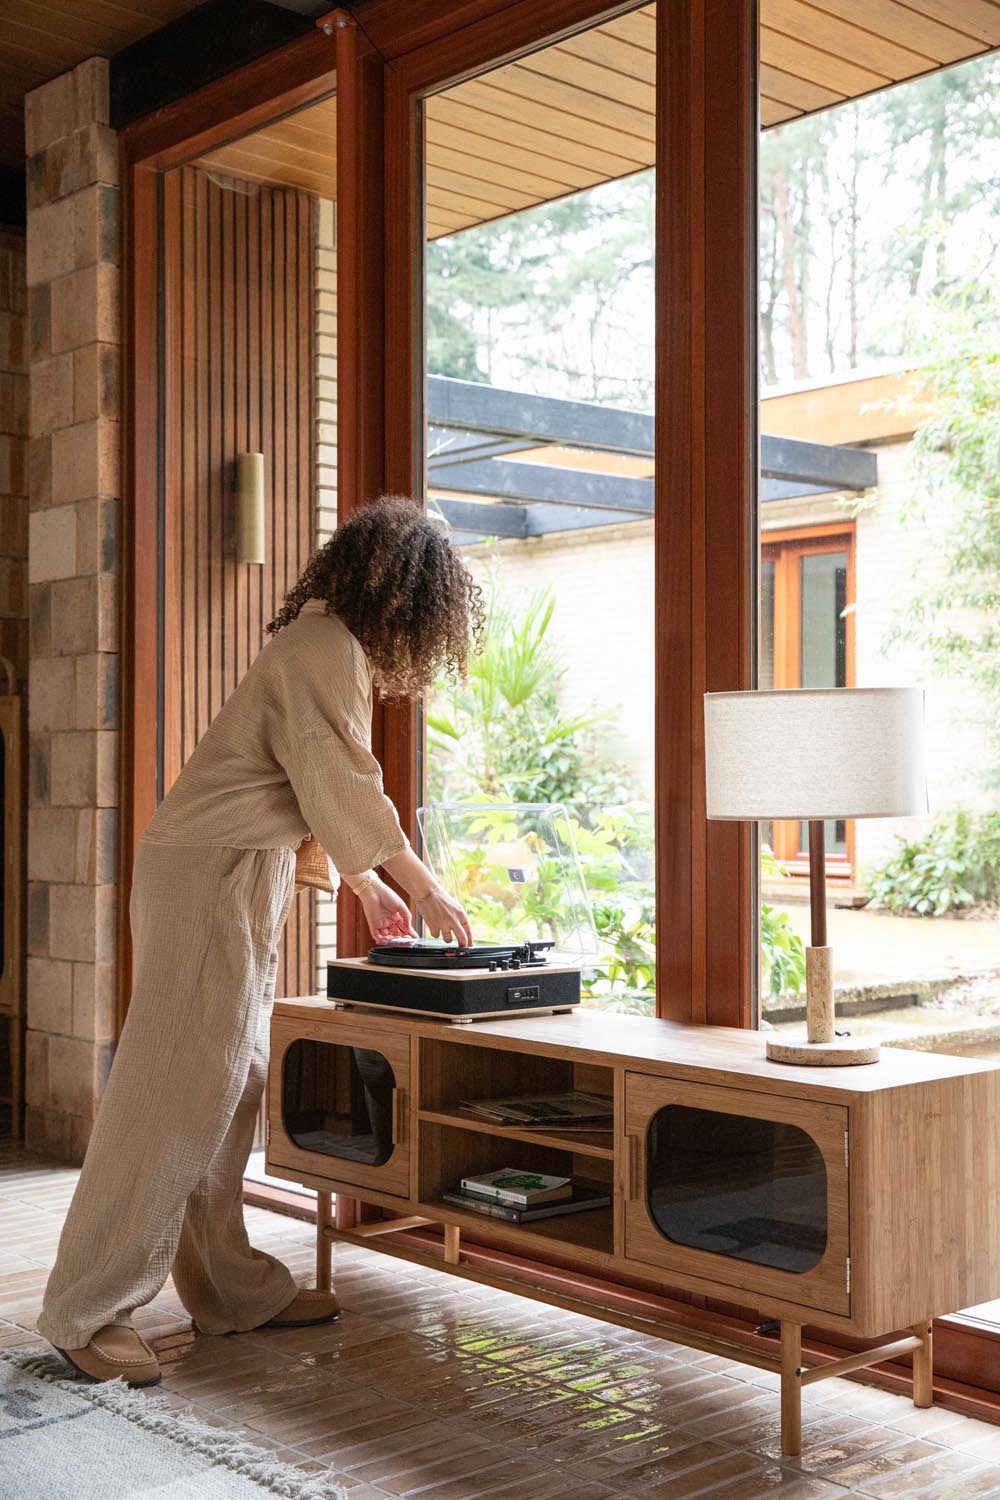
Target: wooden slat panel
(240,379)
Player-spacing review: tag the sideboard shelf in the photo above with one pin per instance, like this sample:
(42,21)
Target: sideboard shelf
(864,1201)
(599,1144)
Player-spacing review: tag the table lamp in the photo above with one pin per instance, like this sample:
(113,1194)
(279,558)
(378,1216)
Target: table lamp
(812,754)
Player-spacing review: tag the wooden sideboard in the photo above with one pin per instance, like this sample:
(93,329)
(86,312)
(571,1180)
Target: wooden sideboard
(863,1200)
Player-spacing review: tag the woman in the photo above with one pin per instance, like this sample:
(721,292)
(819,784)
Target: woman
(387,602)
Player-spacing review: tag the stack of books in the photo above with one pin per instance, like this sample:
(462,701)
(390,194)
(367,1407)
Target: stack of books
(520,1197)
(568,1111)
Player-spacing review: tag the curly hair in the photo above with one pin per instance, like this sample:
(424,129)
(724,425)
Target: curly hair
(391,574)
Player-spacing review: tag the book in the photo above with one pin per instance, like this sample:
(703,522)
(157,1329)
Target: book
(516,1188)
(573,1108)
(582,1198)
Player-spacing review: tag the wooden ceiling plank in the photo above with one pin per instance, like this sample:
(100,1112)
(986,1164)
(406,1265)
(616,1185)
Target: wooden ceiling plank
(264,148)
(477,186)
(977,18)
(637,28)
(933,38)
(477,207)
(852,42)
(94,35)
(529,82)
(502,172)
(611,53)
(794,56)
(231,162)
(23,44)
(544,130)
(316,141)
(596,78)
(774,112)
(569,112)
(786,88)
(493,134)
(310,155)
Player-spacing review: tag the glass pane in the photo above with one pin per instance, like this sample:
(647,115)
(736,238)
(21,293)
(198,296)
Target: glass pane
(540,457)
(880,323)
(750,1189)
(767,624)
(823,632)
(338,1101)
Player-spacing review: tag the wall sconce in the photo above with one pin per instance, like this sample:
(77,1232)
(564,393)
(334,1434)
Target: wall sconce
(250,518)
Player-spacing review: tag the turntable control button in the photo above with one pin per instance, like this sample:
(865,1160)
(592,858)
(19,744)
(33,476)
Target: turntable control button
(515,963)
(493,965)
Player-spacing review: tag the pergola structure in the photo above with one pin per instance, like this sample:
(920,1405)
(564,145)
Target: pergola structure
(505,464)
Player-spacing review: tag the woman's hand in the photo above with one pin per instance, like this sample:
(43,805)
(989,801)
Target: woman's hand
(443,917)
(387,914)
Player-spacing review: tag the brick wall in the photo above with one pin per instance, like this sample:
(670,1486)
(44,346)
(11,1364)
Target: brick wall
(73,485)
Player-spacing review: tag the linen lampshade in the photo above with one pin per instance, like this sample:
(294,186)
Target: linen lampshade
(814,754)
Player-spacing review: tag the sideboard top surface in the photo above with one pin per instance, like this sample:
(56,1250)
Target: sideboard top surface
(712,1053)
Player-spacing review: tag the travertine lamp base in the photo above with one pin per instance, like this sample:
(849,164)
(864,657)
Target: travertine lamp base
(821,1047)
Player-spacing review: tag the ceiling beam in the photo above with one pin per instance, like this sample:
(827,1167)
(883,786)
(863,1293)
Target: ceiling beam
(530,483)
(466,406)
(486,408)
(213,39)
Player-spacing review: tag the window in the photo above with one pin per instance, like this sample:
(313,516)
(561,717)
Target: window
(807,640)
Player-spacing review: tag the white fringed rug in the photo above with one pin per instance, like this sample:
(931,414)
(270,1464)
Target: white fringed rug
(65,1439)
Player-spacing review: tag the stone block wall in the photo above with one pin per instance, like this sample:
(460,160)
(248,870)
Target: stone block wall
(74,510)
(13,455)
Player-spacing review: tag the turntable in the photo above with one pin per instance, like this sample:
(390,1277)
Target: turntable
(511,865)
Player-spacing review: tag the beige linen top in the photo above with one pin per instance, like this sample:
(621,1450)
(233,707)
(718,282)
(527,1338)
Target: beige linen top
(289,754)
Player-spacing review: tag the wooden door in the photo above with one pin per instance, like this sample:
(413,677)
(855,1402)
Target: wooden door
(239,377)
(753,1194)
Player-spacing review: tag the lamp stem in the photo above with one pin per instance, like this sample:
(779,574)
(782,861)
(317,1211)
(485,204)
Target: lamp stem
(817,882)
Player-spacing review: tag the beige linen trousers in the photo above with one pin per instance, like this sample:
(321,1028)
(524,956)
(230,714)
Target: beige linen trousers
(161,1185)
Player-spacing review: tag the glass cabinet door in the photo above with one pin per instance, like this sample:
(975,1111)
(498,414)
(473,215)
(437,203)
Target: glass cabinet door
(336,1106)
(745,1189)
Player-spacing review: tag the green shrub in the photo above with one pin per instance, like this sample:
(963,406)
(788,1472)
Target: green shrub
(782,954)
(502,736)
(955,865)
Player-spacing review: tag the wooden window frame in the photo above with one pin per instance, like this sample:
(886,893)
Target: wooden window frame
(789,545)
(706,434)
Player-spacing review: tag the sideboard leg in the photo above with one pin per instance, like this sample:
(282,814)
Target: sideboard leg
(452,1236)
(923,1365)
(323,1246)
(791,1389)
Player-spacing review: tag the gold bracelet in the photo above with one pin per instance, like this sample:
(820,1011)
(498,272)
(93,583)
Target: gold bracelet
(365,884)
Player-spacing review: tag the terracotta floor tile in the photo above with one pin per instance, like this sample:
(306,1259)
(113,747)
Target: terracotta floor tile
(863,1473)
(944,1478)
(833,1444)
(444,1390)
(716,1479)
